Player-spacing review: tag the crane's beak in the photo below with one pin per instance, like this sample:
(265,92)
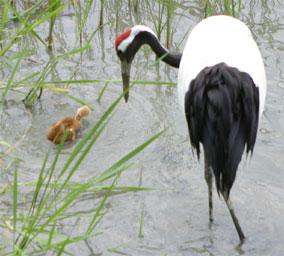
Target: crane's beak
(125,72)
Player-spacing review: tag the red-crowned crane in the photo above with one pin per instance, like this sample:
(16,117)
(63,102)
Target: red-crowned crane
(221,88)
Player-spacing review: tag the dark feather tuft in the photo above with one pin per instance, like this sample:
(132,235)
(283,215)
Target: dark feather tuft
(221,107)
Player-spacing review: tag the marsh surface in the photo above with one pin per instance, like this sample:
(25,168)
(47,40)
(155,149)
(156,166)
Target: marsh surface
(175,214)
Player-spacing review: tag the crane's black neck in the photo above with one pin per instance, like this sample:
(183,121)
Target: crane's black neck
(146,37)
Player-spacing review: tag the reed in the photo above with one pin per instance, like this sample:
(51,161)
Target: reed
(101,20)
(170,11)
(161,13)
(54,5)
(82,10)
(4,8)
(29,20)
(37,88)
(136,5)
(54,192)
(227,7)
(157,17)
(39,208)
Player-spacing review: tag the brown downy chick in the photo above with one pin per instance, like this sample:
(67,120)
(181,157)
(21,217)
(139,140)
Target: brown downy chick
(69,124)
(82,112)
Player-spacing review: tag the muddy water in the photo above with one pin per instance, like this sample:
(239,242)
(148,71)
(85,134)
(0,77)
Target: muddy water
(175,214)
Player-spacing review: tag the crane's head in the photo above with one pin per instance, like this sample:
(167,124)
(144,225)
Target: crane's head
(126,46)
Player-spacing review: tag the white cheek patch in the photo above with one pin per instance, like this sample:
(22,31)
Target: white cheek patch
(124,44)
(134,31)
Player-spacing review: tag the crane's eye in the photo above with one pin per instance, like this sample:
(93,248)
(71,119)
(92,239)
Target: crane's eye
(119,54)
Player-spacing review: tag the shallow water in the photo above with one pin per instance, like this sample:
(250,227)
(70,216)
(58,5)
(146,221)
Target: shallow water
(176,213)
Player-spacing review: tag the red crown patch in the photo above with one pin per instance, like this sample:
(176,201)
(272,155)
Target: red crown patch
(123,36)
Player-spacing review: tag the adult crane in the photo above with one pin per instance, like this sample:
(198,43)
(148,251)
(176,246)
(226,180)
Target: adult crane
(221,88)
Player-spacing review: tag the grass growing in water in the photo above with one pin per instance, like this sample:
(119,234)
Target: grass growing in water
(54,5)
(37,230)
(170,11)
(82,11)
(28,20)
(24,24)
(227,7)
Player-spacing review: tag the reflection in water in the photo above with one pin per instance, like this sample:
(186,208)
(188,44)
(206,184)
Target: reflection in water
(175,214)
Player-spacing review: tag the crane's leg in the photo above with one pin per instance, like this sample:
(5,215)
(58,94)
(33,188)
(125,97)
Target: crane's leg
(234,217)
(209,181)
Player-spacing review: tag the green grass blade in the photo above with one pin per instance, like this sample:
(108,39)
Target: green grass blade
(113,169)
(119,81)
(15,204)
(51,235)
(102,92)
(97,215)
(10,82)
(141,222)
(86,138)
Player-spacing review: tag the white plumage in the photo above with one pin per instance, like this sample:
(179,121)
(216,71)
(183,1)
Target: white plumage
(221,39)
(134,32)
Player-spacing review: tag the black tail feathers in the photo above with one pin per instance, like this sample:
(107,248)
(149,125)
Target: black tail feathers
(221,107)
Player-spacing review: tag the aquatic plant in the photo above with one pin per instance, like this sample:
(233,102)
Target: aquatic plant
(36,227)
(42,206)
(82,10)
(228,7)
(33,221)
(28,20)
(54,5)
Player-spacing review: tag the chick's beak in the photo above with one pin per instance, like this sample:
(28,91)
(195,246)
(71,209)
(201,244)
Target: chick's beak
(125,72)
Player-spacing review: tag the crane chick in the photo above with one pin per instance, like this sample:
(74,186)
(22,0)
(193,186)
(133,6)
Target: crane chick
(70,124)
